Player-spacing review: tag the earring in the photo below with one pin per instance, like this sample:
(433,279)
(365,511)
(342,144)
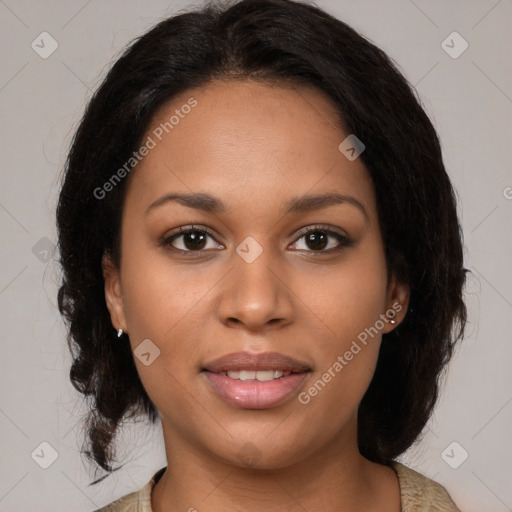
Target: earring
(391,316)
(119,333)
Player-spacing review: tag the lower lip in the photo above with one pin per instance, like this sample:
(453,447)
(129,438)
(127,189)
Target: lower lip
(255,394)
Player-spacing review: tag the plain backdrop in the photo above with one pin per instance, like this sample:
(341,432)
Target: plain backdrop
(468,96)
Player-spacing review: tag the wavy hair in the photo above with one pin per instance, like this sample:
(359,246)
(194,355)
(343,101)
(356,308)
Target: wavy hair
(274,41)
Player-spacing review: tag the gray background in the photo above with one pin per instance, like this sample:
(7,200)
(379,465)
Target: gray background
(469,99)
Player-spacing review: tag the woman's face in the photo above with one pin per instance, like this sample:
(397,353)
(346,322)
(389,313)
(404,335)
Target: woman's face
(279,271)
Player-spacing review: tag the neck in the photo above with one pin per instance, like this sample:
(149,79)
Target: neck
(337,478)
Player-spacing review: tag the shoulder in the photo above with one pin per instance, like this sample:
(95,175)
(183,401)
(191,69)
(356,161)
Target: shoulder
(419,493)
(139,501)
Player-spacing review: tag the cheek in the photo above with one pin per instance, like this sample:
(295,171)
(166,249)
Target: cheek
(349,302)
(163,303)
(351,297)
(157,295)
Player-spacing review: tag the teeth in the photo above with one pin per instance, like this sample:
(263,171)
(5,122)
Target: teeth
(265,375)
(261,375)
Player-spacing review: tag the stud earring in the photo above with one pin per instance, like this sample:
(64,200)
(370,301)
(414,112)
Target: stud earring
(119,333)
(391,316)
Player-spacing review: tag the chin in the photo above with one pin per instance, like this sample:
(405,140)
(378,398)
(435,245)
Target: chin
(263,454)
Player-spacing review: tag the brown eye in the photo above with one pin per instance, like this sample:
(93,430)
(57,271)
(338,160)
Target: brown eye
(191,240)
(321,241)
(317,240)
(194,240)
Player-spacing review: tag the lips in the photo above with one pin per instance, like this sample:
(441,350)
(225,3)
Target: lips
(239,361)
(255,381)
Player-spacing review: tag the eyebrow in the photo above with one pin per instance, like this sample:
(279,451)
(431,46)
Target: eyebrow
(298,204)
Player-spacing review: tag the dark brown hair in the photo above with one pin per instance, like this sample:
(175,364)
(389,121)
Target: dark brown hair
(271,41)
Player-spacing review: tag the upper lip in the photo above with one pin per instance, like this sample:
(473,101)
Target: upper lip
(255,362)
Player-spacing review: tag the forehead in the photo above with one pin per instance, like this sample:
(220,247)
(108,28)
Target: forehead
(250,143)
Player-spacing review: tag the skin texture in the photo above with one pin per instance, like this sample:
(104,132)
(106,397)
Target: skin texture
(255,146)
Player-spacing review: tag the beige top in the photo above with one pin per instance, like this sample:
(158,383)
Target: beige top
(418,494)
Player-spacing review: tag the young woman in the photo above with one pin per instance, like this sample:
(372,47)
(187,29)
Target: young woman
(260,248)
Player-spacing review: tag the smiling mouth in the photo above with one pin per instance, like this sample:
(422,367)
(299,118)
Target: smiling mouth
(255,381)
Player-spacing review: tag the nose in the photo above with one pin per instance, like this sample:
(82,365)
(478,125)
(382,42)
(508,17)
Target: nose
(256,295)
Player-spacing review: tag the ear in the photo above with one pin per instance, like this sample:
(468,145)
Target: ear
(397,302)
(113,296)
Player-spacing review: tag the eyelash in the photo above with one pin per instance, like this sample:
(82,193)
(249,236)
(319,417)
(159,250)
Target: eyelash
(343,240)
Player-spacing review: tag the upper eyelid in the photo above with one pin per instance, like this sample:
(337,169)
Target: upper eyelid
(321,227)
